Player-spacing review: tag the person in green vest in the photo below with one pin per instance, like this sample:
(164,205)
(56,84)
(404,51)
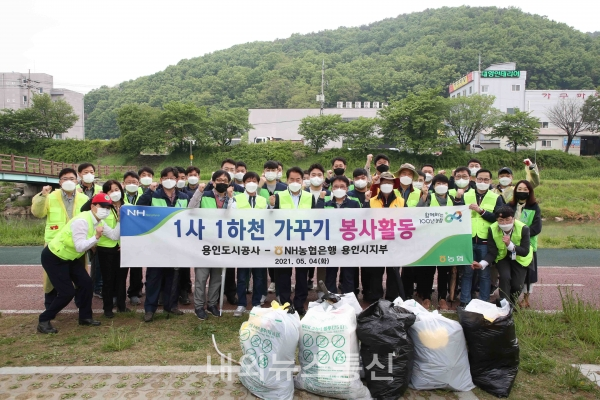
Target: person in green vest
(510,248)
(505,187)
(132,192)
(58,207)
(406,174)
(146,177)
(483,203)
(61,261)
(294,198)
(247,201)
(459,182)
(528,211)
(165,196)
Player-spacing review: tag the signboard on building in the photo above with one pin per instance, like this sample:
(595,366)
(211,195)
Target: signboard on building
(461,82)
(500,74)
(575,144)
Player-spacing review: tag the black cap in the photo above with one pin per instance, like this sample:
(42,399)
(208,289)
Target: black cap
(505,170)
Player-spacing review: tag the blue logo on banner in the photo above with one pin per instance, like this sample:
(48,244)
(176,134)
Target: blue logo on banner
(139,220)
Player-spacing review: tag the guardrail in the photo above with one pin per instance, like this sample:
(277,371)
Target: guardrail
(38,166)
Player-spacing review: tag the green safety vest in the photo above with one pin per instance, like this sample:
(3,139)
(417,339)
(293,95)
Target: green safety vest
(515,238)
(242,202)
(180,203)
(57,216)
(63,246)
(479,225)
(140,192)
(111,221)
(209,202)
(413,198)
(434,202)
(527,218)
(286,201)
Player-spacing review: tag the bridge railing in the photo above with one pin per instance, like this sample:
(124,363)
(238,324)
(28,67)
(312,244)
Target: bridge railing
(38,166)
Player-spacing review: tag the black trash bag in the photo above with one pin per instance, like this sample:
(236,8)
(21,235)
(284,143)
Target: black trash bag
(493,351)
(386,349)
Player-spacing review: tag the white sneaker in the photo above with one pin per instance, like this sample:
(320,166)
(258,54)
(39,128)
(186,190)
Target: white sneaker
(293,287)
(239,311)
(263,299)
(271,287)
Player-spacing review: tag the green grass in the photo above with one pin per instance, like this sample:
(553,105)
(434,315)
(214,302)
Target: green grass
(570,235)
(19,231)
(119,339)
(569,199)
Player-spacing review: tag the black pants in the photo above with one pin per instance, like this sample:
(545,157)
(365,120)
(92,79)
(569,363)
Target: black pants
(346,279)
(512,278)
(114,278)
(409,278)
(443,281)
(424,277)
(230,285)
(283,280)
(135,282)
(63,275)
(154,277)
(392,291)
(365,279)
(50,296)
(310,275)
(185,280)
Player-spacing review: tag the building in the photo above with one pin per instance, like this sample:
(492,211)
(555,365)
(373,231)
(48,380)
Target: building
(508,85)
(283,123)
(16,90)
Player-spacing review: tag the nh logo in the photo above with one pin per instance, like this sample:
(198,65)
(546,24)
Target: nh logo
(137,213)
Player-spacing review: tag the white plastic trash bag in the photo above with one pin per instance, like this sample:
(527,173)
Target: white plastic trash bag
(348,298)
(329,354)
(441,357)
(489,310)
(269,340)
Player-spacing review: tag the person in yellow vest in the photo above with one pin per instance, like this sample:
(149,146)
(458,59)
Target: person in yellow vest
(406,175)
(294,198)
(58,207)
(132,193)
(505,187)
(247,201)
(60,260)
(510,248)
(483,203)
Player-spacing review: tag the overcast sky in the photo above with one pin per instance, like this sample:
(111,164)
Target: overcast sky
(86,44)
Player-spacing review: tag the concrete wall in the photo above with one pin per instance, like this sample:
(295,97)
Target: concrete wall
(75,99)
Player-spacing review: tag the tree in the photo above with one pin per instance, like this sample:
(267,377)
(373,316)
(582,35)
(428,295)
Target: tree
(591,113)
(568,116)
(416,122)
(318,131)
(224,125)
(140,128)
(52,117)
(182,121)
(470,115)
(519,128)
(361,133)
(17,125)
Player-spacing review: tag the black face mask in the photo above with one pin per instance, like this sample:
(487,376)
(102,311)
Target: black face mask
(339,171)
(383,168)
(221,187)
(521,195)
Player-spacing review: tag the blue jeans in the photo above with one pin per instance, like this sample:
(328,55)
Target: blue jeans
(259,279)
(485,282)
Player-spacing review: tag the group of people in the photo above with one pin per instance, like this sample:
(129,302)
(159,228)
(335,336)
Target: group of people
(82,222)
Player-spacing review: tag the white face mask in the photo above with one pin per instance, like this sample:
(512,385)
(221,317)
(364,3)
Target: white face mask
(68,186)
(339,193)
(231,175)
(406,180)
(295,187)
(418,185)
(131,188)
(462,183)
(386,188)
(180,184)
(428,177)
(279,175)
(441,189)
(360,184)
(316,181)
(239,176)
(88,178)
(483,186)
(505,181)
(146,180)
(306,183)
(270,176)
(251,187)
(115,196)
(474,171)
(102,213)
(193,180)
(169,183)
(506,227)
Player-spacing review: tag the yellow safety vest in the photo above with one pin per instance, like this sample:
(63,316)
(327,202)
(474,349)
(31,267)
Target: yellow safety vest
(111,221)
(479,225)
(242,202)
(413,198)
(56,216)
(397,203)
(434,202)
(63,246)
(286,201)
(126,200)
(515,237)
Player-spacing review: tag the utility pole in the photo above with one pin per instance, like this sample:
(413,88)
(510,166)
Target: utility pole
(29,85)
(321,97)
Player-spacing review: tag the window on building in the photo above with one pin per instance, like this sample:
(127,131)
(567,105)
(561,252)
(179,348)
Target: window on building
(40,90)
(471,90)
(510,110)
(457,94)
(516,88)
(485,88)
(465,92)
(546,143)
(24,99)
(58,136)
(545,124)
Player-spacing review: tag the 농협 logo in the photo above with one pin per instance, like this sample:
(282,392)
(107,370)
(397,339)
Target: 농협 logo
(278,250)
(451,217)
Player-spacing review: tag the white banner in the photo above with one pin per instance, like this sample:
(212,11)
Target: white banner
(192,238)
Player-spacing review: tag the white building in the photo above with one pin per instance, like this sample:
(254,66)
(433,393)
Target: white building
(507,84)
(17,89)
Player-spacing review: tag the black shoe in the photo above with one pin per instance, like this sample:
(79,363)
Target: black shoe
(148,316)
(232,299)
(301,312)
(109,314)
(121,310)
(98,294)
(201,314)
(46,327)
(175,311)
(310,285)
(89,322)
(214,311)
(160,299)
(184,299)
(462,305)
